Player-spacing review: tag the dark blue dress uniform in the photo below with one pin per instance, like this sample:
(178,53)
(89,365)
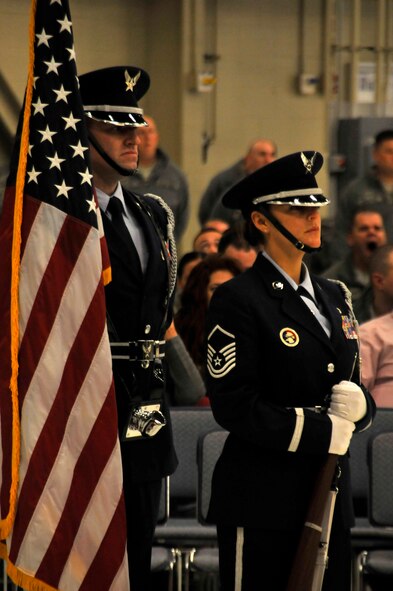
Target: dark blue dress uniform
(270,366)
(139,308)
(267,355)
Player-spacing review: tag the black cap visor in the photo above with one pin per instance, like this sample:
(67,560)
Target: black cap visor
(300,201)
(117,118)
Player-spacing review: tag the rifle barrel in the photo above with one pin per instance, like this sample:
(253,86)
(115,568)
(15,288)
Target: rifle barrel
(303,567)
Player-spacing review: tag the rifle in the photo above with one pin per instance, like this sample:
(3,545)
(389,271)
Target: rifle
(303,568)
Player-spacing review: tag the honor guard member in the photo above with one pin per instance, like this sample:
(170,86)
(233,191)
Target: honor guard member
(139,235)
(282,343)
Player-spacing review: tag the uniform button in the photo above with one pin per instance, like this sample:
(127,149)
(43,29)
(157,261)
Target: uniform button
(147,328)
(330,367)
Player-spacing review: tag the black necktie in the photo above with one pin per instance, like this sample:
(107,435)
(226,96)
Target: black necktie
(302,291)
(116,209)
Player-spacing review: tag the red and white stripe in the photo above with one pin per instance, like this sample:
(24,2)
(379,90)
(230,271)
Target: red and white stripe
(70,527)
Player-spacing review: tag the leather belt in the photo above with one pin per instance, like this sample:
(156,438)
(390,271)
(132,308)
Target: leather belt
(143,351)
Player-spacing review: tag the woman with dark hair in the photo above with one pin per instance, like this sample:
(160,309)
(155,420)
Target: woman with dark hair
(283,377)
(190,319)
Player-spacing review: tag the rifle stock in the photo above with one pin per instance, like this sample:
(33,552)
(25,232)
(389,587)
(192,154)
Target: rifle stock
(303,567)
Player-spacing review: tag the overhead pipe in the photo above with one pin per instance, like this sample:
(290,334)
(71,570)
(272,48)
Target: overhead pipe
(380,48)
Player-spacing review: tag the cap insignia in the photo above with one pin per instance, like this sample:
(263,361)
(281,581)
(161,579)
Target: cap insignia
(131,82)
(308,163)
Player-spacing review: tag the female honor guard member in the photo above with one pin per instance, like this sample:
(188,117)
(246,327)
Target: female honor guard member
(281,344)
(139,234)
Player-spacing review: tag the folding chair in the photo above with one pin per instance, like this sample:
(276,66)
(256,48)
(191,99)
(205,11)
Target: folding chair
(366,535)
(182,530)
(163,558)
(378,559)
(205,559)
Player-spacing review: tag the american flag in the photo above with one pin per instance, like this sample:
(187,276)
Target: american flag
(62,513)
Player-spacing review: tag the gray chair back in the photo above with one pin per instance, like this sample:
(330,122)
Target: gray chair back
(210,447)
(188,424)
(383,421)
(381,479)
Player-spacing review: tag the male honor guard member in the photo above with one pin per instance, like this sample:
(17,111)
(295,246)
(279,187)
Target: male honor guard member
(139,234)
(282,344)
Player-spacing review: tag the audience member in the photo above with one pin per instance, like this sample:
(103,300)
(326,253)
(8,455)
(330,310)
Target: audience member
(185,265)
(374,189)
(376,340)
(157,173)
(207,240)
(220,225)
(234,245)
(184,383)
(190,319)
(366,233)
(377,299)
(260,152)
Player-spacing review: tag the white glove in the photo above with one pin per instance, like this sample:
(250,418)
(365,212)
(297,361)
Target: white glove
(348,401)
(341,435)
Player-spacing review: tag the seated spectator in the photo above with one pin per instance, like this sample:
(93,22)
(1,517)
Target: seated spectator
(374,189)
(157,173)
(260,153)
(220,225)
(376,341)
(184,383)
(190,319)
(377,299)
(186,264)
(365,234)
(234,245)
(206,241)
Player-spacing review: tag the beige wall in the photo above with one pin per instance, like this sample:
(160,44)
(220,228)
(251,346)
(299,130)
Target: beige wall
(262,47)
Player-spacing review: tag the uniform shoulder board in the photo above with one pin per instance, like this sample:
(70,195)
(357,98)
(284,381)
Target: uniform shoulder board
(170,238)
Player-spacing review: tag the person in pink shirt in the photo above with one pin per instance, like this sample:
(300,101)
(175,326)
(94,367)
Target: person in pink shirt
(376,346)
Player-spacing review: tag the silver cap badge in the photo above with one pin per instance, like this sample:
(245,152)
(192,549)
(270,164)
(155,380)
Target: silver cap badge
(131,82)
(308,163)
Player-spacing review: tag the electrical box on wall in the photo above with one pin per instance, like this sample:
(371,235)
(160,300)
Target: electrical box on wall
(202,81)
(308,84)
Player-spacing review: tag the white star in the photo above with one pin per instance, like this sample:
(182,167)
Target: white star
(35,80)
(33,174)
(71,121)
(62,94)
(39,107)
(31,146)
(78,149)
(86,177)
(55,2)
(71,51)
(55,161)
(43,38)
(63,189)
(47,134)
(217,361)
(52,66)
(65,24)
(92,205)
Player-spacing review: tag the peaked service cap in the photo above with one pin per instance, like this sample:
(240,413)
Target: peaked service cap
(289,180)
(111,94)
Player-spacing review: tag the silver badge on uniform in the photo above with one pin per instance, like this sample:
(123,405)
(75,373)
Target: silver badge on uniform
(278,285)
(221,352)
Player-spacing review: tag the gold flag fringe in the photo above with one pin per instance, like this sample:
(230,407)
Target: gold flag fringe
(7,523)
